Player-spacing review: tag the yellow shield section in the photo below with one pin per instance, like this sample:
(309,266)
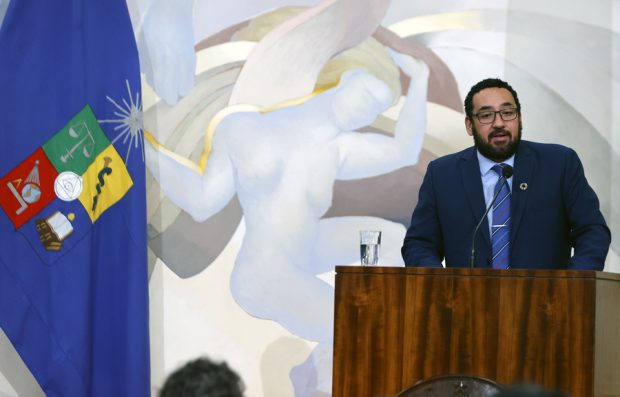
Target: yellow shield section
(105,182)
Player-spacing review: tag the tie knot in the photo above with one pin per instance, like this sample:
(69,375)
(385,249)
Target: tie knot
(498,168)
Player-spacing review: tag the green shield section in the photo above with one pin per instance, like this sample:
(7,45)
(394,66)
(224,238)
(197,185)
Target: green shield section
(77,144)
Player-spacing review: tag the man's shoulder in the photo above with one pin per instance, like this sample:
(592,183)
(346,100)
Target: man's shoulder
(546,147)
(546,150)
(453,158)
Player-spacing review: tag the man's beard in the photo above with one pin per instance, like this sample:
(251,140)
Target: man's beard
(497,154)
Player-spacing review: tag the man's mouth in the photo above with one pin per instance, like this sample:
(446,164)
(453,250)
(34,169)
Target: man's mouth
(499,136)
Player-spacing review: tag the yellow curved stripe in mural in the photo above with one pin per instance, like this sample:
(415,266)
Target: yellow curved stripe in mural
(217,119)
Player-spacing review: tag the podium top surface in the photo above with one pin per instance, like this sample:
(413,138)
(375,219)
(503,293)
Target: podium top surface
(477,272)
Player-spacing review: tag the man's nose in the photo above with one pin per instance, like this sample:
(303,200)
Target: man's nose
(498,122)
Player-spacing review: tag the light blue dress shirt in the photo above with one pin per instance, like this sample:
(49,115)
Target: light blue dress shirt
(489,180)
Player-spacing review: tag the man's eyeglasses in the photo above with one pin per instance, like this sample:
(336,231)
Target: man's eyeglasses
(488,116)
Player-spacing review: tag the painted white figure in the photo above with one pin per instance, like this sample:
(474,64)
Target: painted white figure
(282,164)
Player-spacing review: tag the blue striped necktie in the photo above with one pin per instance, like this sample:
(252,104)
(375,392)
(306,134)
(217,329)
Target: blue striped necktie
(500,229)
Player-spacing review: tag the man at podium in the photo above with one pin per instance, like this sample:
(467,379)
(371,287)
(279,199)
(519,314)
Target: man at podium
(506,202)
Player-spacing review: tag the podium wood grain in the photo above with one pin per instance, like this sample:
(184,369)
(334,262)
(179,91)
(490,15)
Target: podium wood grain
(395,326)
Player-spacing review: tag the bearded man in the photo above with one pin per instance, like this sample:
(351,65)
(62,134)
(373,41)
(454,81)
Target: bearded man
(506,202)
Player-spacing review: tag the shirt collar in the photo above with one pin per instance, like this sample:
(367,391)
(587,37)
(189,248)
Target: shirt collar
(486,164)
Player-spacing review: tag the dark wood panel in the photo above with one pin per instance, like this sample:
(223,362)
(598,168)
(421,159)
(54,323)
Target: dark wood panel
(395,326)
(372,324)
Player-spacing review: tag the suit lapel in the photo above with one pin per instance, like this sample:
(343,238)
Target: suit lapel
(523,174)
(472,185)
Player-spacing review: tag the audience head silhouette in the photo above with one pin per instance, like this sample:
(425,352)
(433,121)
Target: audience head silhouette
(203,378)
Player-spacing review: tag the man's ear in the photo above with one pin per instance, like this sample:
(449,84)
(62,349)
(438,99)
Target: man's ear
(468,126)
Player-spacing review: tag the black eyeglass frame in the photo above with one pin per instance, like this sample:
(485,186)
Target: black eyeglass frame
(501,114)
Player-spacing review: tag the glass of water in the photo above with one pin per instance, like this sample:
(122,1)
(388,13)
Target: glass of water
(370,243)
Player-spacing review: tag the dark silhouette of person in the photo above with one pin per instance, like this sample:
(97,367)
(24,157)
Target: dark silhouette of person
(203,377)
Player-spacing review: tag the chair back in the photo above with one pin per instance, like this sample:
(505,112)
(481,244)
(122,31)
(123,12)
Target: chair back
(452,386)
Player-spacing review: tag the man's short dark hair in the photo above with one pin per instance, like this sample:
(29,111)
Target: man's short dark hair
(488,83)
(203,378)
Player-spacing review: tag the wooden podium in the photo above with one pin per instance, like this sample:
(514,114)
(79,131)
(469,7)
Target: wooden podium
(395,326)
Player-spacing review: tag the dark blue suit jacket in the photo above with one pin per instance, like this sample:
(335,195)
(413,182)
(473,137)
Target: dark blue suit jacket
(553,209)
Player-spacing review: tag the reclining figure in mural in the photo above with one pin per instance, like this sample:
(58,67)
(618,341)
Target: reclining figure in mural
(281,157)
(282,164)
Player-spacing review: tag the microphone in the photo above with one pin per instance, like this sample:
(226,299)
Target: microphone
(507,172)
